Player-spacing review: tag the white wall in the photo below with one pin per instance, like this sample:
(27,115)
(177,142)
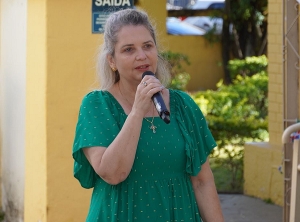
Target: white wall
(13,16)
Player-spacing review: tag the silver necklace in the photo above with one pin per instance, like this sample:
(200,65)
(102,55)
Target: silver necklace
(152,127)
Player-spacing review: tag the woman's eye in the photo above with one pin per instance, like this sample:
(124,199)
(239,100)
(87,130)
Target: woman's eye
(148,46)
(128,49)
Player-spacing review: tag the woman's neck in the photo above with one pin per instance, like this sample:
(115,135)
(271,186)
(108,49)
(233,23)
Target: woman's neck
(126,91)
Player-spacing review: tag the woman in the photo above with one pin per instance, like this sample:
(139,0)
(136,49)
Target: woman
(141,168)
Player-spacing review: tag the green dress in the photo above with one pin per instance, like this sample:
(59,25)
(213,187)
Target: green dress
(158,188)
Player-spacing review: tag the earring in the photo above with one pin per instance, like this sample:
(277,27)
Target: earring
(113,69)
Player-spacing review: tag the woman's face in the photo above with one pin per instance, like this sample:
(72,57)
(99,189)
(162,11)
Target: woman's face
(135,53)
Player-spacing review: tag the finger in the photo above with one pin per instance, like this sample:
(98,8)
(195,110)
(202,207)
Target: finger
(144,83)
(150,83)
(148,79)
(154,89)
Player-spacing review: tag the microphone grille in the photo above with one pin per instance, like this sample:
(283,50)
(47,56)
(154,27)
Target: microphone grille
(149,73)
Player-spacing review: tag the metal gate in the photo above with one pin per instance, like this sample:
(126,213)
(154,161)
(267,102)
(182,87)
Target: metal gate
(293,214)
(290,88)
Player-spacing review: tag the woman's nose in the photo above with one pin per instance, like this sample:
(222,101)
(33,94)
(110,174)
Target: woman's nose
(141,55)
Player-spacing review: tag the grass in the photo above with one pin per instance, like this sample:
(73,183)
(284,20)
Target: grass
(268,201)
(225,179)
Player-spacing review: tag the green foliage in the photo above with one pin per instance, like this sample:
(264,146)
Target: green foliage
(249,20)
(236,113)
(2,215)
(269,201)
(180,78)
(248,66)
(179,81)
(228,173)
(248,10)
(176,60)
(211,36)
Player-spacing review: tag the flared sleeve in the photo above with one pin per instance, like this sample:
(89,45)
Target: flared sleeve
(98,125)
(199,141)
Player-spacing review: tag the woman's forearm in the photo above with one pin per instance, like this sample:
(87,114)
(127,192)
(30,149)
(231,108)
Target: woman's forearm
(114,163)
(206,195)
(208,202)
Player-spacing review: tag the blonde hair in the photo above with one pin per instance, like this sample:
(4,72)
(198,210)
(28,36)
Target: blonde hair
(113,25)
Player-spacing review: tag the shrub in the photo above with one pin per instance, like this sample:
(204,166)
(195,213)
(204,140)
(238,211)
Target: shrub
(236,113)
(248,66)
(180,78)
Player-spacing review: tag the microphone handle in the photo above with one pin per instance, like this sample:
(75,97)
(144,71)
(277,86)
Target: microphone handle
(159,102)
(161,107)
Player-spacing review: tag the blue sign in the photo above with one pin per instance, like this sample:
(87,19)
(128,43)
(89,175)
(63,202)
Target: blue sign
(101,9)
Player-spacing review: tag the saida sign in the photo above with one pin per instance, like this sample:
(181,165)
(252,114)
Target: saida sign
(113,3)
(101,10)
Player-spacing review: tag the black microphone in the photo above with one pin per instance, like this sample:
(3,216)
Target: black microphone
(159,103)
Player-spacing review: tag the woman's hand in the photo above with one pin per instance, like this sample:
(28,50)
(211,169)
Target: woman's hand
(145,90)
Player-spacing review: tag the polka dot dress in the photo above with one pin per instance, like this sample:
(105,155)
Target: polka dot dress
(158,187)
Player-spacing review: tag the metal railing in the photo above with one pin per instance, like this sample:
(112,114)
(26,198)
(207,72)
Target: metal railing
(291,133)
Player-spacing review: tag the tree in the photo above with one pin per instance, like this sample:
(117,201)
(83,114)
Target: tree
(244,31)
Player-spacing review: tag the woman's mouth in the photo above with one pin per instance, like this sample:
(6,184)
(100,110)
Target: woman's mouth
(142,67)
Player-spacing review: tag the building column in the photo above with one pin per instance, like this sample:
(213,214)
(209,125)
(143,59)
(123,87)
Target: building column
(13,16)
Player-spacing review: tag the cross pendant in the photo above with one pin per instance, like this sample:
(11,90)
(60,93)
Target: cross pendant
(153,128)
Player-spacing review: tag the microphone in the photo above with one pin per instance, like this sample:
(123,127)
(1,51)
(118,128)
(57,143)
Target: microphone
(159,103)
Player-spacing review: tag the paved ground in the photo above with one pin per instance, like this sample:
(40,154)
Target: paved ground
(241,208)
